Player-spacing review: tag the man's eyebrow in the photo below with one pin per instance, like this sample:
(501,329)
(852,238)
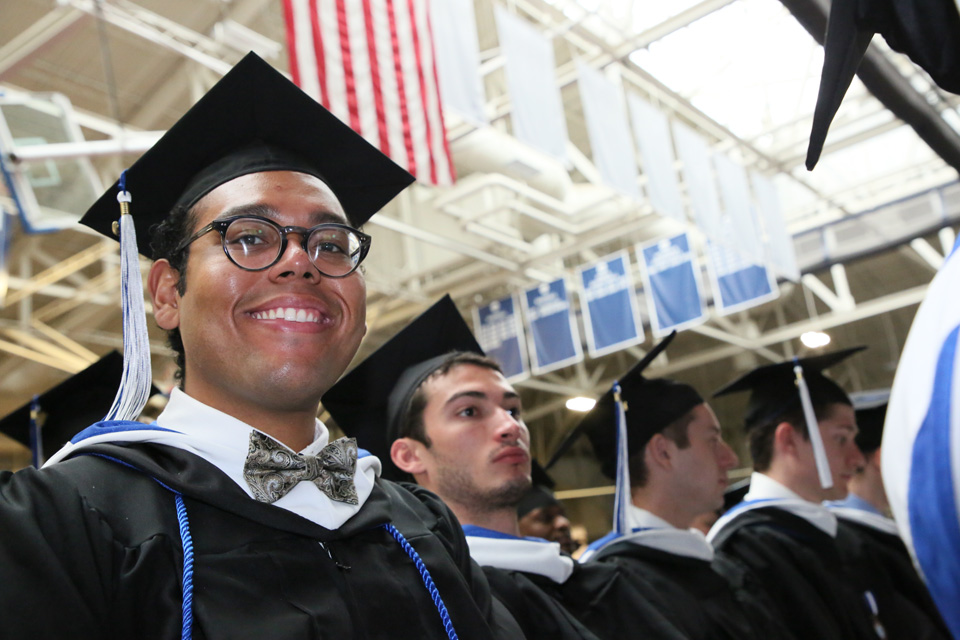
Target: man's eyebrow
(266,211)
(480,395)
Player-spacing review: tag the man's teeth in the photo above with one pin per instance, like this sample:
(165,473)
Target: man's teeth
(289,314)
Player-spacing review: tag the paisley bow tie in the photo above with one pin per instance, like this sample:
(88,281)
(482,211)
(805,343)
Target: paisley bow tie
(272,470)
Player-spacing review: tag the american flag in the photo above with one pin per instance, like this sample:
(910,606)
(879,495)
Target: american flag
(372,64)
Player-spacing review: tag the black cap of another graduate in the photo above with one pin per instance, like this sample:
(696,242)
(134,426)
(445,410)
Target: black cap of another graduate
(651,405)
(370,402)
(773,387)
(871,410)
(541,491)
(70,407)
(252,120)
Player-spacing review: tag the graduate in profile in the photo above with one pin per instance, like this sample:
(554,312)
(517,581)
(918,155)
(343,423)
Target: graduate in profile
(801,430)
(455,425)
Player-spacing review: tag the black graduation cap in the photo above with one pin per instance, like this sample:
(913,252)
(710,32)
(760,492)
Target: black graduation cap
(541,491)
(252,120)
(928,31)
(773,387)
(369,402)
(651,405)
(69,407)
(871,410)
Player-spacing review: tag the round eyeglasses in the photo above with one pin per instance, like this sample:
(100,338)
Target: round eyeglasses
(254,243)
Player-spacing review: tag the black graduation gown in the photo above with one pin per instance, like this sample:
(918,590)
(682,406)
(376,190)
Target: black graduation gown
(608,604)
(693,596)
(90,548)
(540,615)
(800,569)
(906,608)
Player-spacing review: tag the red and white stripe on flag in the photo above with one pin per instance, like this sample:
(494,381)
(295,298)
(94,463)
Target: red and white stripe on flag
(372,64)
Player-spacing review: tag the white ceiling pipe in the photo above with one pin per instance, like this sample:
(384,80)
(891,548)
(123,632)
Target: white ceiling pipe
(489,150)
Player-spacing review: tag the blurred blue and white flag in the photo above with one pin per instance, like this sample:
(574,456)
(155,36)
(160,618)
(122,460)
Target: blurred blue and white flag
(921,441)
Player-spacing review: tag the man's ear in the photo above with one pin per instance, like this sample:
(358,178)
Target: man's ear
(406,453)
(659,451)
(785,439)
(163,281)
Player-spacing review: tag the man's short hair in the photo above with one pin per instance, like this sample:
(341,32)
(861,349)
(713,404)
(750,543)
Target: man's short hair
(165,238)
(676,432)
(761,436)
(412,425)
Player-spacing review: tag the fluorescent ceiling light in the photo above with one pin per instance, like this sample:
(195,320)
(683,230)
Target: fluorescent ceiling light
(815,339)
(580,404)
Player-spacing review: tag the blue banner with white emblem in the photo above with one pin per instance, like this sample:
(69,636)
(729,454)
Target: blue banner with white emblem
(738,282)
(672,282)
(556,342)
(610,311)
(499,331)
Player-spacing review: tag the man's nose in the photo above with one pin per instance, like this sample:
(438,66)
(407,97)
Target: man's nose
(295,261)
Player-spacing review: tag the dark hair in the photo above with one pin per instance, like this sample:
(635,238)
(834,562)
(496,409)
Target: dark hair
(761,436)
(677,432)
(412,425)
(165,239)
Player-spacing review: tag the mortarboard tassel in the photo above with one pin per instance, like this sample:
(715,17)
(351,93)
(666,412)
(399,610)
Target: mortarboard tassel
(36,441)
(621,524)
(813,428)
(135,384)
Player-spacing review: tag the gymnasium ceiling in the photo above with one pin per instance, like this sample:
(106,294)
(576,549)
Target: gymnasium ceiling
(871,222)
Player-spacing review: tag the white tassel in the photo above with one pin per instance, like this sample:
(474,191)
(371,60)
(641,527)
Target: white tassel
(137,373)
(621,500)
(813,428)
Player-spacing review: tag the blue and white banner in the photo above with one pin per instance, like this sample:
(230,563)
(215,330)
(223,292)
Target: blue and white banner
(611,314)
(499,330)
(921,441)
(652,132)
(738,208)
(671,279)
(609,133)
(556,342)
(537,113)
(738,283)
(458,58)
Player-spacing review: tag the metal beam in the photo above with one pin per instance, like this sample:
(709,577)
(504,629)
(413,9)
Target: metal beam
(53,25)
(864,310)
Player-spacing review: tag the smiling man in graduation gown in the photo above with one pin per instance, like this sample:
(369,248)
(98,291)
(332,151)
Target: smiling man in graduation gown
(233,516)
(781,532)
(455,425)
(670,464)
(869,539)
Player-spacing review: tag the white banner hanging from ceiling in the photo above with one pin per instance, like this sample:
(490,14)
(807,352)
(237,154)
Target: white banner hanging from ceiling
(537,111)
(458,58)
(608,301)
(671,279)
(555,340)
(608,130)
(652,132)
(499,330)
(698,174)
(780,250)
